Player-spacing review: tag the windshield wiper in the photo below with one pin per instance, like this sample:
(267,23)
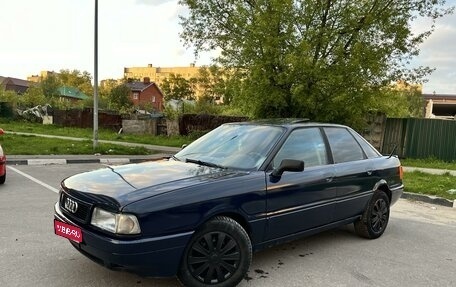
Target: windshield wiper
(175,158)
(205,163)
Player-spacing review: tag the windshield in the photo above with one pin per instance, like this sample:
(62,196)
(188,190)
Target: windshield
(233,146)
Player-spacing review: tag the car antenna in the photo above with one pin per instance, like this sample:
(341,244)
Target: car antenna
(392,152)
(298,121)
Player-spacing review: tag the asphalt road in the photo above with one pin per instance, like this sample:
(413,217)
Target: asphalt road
(417,249)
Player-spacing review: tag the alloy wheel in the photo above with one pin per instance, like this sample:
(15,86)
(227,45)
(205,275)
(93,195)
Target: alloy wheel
(214,257)
(379,216)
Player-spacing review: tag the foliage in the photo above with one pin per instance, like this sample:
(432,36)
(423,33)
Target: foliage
(50,86)
(46,91)
(177,87)
(33,97)
(324,60)
(399,103)
(104,91)
(171,113)
(212,82)
(76,79)
(218,84)
(119,98)
(9,97)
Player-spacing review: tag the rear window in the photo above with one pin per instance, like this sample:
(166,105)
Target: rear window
(343,145)
(370,151)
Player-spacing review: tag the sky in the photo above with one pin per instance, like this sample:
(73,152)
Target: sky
(59,34)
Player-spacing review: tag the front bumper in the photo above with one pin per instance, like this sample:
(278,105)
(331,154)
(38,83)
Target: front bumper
(158,256)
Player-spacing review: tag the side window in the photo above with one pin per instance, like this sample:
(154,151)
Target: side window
(368,149)
(343,145)
(303,144)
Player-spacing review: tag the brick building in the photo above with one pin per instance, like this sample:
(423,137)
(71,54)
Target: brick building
(146,93)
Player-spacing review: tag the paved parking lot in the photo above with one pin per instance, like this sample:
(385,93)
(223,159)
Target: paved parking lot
(417,249)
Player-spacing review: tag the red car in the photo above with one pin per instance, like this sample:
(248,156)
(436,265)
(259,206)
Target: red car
(2,163)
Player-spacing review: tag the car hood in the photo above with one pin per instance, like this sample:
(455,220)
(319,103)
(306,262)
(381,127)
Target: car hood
(118,186)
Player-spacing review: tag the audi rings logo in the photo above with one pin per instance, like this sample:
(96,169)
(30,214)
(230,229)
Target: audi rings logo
(71,205)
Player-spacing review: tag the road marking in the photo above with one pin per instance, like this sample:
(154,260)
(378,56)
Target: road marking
(34,179)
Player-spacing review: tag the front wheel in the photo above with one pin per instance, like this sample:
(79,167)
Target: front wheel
(219,254)
(375,218)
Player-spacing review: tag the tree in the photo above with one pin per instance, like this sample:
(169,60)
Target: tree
(8,96)
(119,98)
(50,86)
(76,79)
(177,87)
(104,92)
(214,84)
(400,103)
(324,60)
(33,97)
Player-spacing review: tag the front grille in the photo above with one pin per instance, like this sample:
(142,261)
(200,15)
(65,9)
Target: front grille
(83,211)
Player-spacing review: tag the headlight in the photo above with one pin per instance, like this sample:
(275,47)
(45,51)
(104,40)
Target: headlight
(114,222)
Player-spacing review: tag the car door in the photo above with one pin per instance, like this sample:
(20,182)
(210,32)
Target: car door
(298,201)
(354,173)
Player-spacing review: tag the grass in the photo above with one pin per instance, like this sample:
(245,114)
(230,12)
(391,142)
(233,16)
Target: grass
(103,134)
(429,163)
(33,145)
(431,184)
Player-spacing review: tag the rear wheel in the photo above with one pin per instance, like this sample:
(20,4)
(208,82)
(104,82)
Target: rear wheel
(219,254)
(375,218)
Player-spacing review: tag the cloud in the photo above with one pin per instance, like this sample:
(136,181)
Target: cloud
(154,2)
(438,52)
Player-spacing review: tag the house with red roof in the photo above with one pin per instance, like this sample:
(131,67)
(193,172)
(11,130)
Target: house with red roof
(146,93)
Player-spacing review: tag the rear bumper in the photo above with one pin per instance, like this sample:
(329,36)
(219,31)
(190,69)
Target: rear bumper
(158,256)
(2,165)
(396,193)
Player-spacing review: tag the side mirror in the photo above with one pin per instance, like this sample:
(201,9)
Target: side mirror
(184,146)
(288,165)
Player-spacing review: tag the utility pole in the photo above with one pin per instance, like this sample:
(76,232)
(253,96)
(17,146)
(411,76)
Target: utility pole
(95,81)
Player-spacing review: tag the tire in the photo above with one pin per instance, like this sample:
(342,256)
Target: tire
(219,254)
(375,218)
(3,178)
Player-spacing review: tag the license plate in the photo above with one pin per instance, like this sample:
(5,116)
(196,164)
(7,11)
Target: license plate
(68,231)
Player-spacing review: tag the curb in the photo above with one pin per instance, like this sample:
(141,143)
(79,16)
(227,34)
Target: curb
(429,199)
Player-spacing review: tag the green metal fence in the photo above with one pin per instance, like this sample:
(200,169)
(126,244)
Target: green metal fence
(421,138)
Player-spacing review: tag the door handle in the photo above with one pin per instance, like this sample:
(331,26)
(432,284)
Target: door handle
(329,176)
(369,172)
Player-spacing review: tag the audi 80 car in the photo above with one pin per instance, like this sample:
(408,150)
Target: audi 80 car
(240,188)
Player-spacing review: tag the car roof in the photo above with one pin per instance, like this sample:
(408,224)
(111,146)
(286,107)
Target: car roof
(287,122)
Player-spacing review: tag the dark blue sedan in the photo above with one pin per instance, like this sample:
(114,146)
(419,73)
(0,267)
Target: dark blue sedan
(240,188)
